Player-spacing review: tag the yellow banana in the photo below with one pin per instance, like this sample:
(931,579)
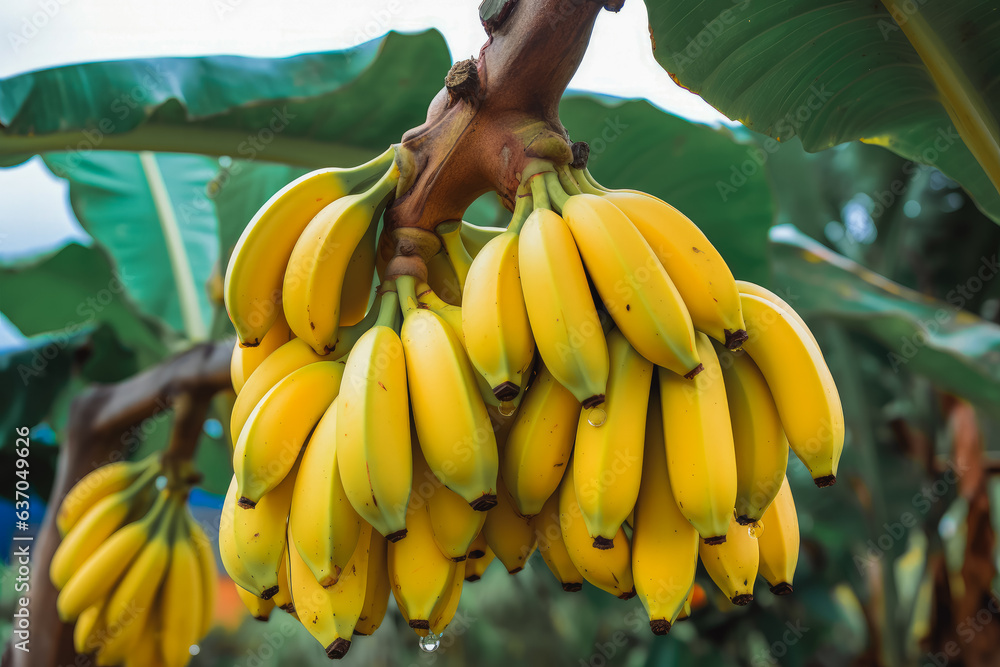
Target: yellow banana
(441,277)
(208,575)
(608,456)
(447,606)
(746,287)
(761,447)
(696,268)
(245,360)
(461,450)
(420,574)
(377,589)
(633,285)
(149,649)
(324,522)
(260,535)
(475,237)
(180,602)
(450,232)
(358,278)
(256,269)
(608,569)
(494,319)
(283,598)
(279,427)
(701,458)
(510,536)
(96,485)
(331,614)
(229,549)
(801,384)
(373,426)
(84,629)
(733,564)
(778,542)
(560,307)
(479,547)
(98,571)
(664,544)
(96,525)
(476,567)
(259,609)
(454,523)
(548,533)
(540,443)
(314,279)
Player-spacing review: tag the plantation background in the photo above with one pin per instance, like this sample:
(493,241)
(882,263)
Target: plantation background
(891,261)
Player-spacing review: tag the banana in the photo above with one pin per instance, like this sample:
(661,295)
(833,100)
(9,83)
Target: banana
(324,522)
(696,268)
(540,443)
(454,523)
(96,485)
(98,573)
(801,384)
(760,444)
(450,233)
(256,269)
(475,237)
(511,537)
(548,533)
(150,648)
(608,456)
(373,426)
(479,547)
(95,526)
(83,630)
(701,459)
(279,426)
(377,589)
(633,285)
(461,449)
(420,574)
(746,287)
(259,609)
(358,278)
(608,569)
(314,281)
(331,614)
(447,606)
(260,535)
(778,542)
(441,277)
(229,549)
(283,598)
(133,599)
(494,319)
(180,603)
(245,360)
(665,564)
(208,575)
(733,564)
(476,567)
(561,310)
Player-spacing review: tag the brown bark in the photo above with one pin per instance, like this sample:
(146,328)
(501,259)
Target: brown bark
(100,430)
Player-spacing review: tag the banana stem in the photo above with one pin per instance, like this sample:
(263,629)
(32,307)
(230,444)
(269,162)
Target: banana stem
(450,233)
(406,287)
(390,304)
(522,210)
(567,181)
(586,182)
(386,186)
(539,195)
(557,195)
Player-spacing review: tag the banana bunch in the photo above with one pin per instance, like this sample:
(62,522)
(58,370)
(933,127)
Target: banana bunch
(134,570)
(591,383)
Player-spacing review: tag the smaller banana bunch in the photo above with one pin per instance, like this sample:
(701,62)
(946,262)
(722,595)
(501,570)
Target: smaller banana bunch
(413,405)
(134,569)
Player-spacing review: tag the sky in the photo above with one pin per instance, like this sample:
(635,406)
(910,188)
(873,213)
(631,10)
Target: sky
(37,34)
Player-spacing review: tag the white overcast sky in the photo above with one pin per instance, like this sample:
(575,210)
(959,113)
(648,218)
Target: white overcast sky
(37,34)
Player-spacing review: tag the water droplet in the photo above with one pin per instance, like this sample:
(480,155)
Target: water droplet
(507,408)
(597,417)
(430,643)
(755,529)
(161,482)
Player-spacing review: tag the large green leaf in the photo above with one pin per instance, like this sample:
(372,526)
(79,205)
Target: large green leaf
(324,109)
(74,290)
(956,350)
(635,145)
(830,71)
(112,200)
